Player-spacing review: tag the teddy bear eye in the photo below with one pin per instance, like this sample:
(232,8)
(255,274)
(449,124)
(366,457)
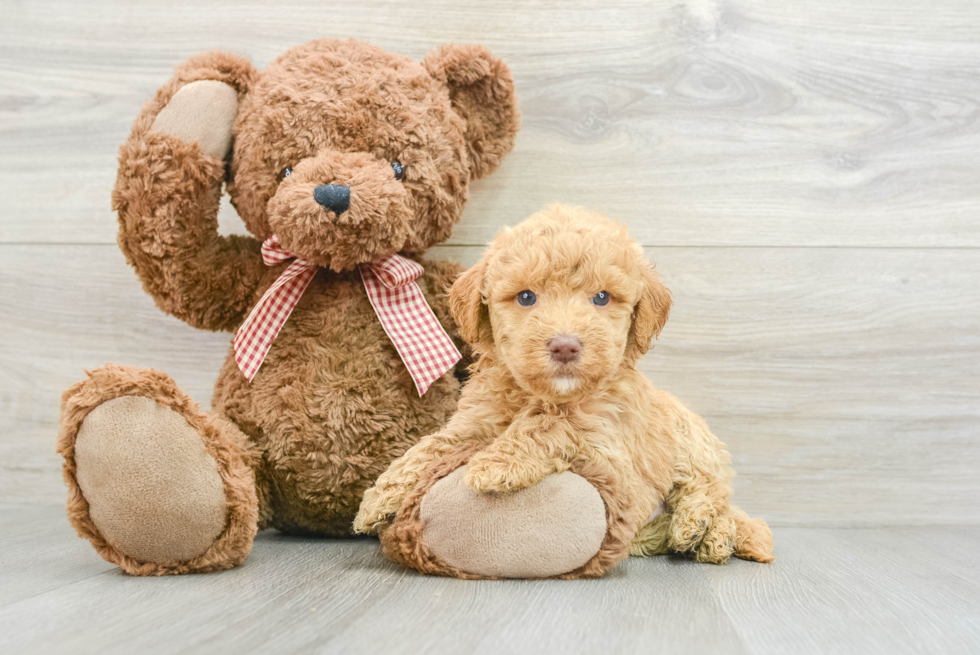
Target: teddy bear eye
(399,170)
(286,172)
(601,298)
(526,298)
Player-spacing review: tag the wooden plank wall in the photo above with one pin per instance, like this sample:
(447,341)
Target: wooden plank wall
(806,176)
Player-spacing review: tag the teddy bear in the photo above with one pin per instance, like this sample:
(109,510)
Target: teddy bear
(562,458)
(345,162)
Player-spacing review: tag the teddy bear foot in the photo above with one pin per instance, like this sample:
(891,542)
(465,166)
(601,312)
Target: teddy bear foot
(157,486)
(564,527)
(546,530)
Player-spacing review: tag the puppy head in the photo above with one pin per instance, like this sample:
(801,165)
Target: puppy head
(563,300)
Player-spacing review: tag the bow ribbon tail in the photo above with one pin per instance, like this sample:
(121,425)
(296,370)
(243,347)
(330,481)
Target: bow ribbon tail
(255,336)
(412,326)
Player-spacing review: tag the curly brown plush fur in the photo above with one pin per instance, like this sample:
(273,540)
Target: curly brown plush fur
(332,404)
(526,414)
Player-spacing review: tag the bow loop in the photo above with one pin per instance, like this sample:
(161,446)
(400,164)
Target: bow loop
(396,271)
(273,253)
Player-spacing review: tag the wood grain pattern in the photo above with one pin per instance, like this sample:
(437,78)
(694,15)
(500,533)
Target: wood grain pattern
(805,176)
(842,380)
(829,591)
(701,122)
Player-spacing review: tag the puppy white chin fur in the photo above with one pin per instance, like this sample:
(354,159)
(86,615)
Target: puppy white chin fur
(565,385)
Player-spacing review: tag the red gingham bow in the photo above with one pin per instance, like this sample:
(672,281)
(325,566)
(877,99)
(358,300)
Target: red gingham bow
(406,317)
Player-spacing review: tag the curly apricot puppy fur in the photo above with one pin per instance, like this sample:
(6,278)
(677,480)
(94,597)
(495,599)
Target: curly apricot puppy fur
(560,308)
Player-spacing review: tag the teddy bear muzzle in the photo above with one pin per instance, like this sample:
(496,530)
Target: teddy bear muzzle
(341,209)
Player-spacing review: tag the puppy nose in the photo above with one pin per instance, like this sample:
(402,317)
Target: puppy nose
(335,197)
(565,348)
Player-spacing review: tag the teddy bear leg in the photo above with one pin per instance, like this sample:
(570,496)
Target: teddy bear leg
(156,485)
(570,525)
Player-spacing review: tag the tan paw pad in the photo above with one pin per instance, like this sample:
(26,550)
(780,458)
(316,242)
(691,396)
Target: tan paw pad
(549,529)
(152,489)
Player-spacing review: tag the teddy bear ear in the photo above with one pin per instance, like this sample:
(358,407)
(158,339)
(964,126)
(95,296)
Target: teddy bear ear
(466,303)
(481,90)
(649,315)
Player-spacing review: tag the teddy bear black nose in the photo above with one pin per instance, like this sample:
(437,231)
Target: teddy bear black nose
(335,197)
(565,348)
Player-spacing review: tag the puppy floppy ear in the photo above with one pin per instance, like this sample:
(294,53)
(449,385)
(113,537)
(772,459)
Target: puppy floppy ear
(649,315)
(481,90)
(466,303)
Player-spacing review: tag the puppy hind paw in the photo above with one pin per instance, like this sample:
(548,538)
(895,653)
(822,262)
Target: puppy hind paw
(718,543)
(687,539)
(689,526)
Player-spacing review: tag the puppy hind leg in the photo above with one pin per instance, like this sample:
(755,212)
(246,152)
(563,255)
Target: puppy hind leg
(653,538)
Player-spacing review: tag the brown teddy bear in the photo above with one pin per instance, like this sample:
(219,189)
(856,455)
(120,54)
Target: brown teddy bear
(562,457)
(346,162)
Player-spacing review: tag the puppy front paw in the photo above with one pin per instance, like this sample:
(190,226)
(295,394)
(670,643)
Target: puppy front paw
(378,508)
(486,474)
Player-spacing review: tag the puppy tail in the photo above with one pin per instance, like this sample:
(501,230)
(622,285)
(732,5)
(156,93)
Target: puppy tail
(753,539)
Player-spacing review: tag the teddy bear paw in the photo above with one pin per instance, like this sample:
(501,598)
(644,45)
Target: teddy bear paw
(201,112)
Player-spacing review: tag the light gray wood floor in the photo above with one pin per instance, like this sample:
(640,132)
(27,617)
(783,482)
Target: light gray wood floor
(885,590)
(805,176)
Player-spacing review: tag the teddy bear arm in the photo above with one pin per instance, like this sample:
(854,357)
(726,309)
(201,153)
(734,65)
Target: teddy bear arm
(168,187)
(168,230)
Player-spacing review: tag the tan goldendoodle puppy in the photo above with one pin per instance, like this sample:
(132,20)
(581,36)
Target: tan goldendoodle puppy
(560,308)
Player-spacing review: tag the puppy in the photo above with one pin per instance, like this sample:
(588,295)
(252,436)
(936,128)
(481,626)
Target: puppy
(559,310)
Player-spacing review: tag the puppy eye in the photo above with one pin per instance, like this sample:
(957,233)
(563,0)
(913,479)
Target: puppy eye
(526,298)
(601,298)
(399,170)
(286,172)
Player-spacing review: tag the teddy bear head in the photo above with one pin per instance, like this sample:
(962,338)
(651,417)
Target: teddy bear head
(349,153)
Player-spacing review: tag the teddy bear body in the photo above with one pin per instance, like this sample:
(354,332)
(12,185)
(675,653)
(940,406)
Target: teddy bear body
(328,408)
(340,155)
